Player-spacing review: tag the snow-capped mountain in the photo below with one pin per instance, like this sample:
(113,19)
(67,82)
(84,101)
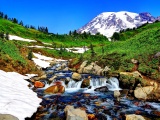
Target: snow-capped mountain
(109,22)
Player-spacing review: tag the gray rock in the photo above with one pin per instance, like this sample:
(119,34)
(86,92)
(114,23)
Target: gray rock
(157,55)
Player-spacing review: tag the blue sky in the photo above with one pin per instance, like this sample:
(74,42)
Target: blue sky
(60,16)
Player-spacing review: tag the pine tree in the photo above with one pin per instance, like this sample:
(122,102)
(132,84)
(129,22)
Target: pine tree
(115,36)
(70,32)
(5,17)
(46,30)
(92,50)
(15,20)
(30,55)
(2,35)
(21,23)
(7,36)
(102,50)
(1,15)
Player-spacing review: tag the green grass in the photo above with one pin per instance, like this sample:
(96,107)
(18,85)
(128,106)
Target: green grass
(144,44)
(10,49)
(65,40)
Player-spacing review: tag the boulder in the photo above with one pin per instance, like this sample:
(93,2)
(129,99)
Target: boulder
(63,65)
(102,89)
(97,69)
(56,88)
(38,84)
(83,64)
(134,117)
(75,114)
(91,116)
(76,76)
(117,93)
(88,69)
(85,83)
(157,55)
(7,117)
(143,92)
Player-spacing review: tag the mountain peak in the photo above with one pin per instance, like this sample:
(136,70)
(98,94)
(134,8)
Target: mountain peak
(109,22)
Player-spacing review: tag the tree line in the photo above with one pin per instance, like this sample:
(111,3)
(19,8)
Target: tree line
(16,21)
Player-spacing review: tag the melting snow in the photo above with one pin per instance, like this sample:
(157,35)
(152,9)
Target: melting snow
(15,96)
(13,37)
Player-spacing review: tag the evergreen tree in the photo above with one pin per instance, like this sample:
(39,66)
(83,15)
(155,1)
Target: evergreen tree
(115,36)
(92,50)
(1,14)
(15,20)
(21,23)
(32,27)
(102,50)
(5,17)
(7,36)
(30,55)
(46,30)
(70,33)
(2,35)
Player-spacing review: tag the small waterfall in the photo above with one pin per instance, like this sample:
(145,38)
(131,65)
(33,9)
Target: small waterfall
(113,84)
(97,82)
(74,84)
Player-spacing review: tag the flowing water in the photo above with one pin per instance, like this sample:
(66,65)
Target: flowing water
(101,104)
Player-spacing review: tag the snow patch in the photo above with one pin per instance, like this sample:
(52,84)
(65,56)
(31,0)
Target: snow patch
(15,96)
(13,37)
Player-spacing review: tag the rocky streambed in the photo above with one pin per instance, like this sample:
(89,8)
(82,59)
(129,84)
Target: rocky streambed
(68,95)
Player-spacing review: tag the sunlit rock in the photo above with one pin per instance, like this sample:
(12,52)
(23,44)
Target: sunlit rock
(7,117)
(134,117)
(38,84)
(76,76)
(75,114)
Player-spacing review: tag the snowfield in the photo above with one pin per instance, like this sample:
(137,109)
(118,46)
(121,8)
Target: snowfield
(13,37)
(15,96)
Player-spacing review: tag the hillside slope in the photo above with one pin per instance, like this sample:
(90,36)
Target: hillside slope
(141,44)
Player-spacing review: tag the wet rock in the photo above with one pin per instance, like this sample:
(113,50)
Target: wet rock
(76,76)
(156,113)
(102,89)
(66,69)
(52,78)
(143,92)
(91,116)
(75,114)
(134,117)
(7,117)
(53,62)
(57,88)
(85,83)
(38,84)
(101,116)
(43,77)
(123,92)
(117,94)
(63,65)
